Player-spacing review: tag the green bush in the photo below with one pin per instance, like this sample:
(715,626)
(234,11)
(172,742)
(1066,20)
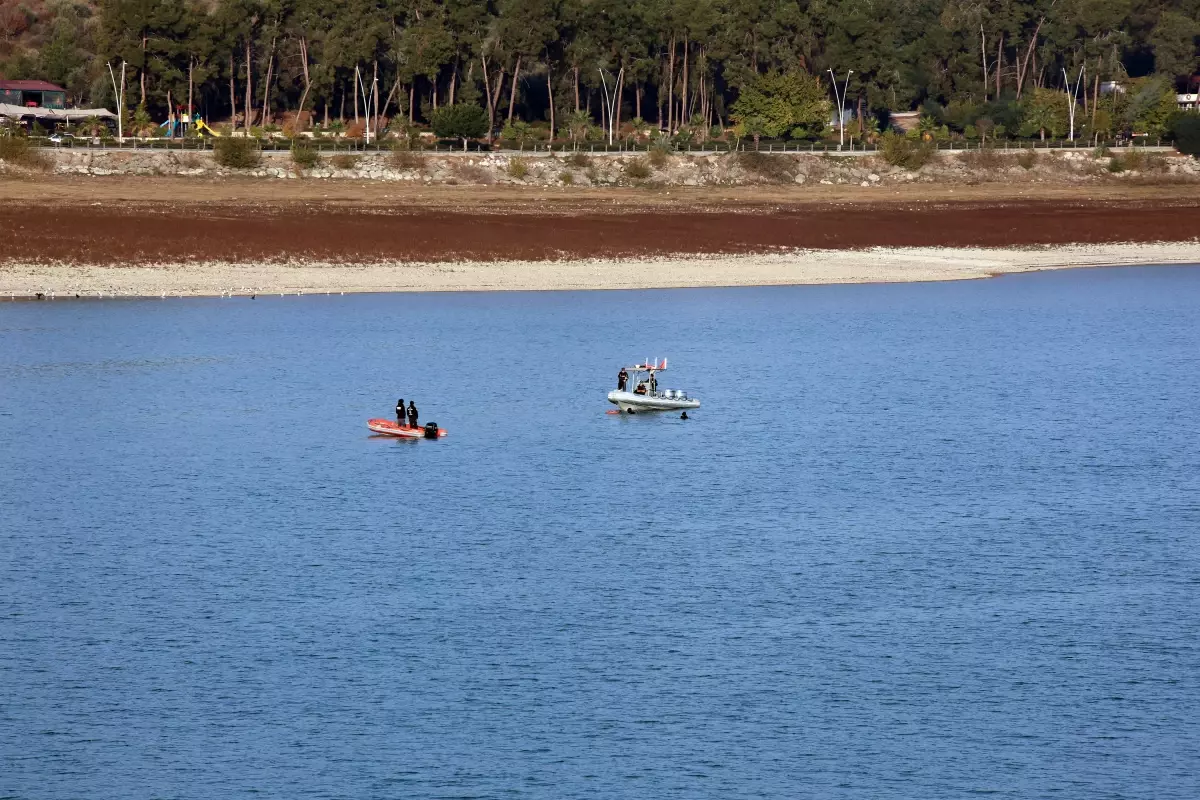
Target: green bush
(566,178)
(579,160)
(1116,165)
(658,157)
(1185,129)
(638,169)
(17,150)
(304,156)
(901,151)
(344,161)
(460,121)
(517,168)
(237,153)
(1027,159)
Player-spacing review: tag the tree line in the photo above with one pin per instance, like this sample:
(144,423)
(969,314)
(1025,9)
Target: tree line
(668,64)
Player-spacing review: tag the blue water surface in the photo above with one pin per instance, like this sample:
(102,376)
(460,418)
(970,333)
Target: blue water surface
(921,541)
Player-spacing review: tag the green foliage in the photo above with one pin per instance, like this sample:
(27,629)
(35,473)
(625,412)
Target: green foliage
(460,121)
(902,151)
(579,160)
(658,157)
(1116,165)
(17,150)
(1151,106)
(1045,112)
(304,156)
(237,153)
(518,132)
(1185,129)
(566,178)
(783,104)
(517,168)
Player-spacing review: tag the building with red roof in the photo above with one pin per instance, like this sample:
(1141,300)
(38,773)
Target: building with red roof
(32,94)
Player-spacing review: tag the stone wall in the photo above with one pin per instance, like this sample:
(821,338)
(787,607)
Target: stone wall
(639,169)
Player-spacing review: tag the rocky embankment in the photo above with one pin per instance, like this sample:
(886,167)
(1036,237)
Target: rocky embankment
(584,169)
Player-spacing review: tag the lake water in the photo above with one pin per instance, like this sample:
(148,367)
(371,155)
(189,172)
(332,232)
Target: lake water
(921,541)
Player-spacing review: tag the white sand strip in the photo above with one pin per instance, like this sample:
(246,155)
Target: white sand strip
(877,265)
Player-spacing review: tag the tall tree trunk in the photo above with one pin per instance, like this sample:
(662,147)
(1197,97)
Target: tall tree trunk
(191,84)
(342,108)
(266,106)
(1096,91)
(232,93)
(326,123)
(375,98)
(550,93)
(143,70)
(412,99)
(576,89)
(671,85)
(617,105)
(999,64)
(512,95)
(685,89)
(983,58)
(637,100)
(356,91)
(491,104)
(249,90)
(307,79)
(453,80)
(1023,68)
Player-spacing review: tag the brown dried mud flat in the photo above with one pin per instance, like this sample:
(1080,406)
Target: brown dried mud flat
(153,220)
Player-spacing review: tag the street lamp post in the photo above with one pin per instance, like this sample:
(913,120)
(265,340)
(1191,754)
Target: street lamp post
(841,105)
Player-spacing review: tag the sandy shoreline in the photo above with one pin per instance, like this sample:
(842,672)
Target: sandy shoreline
(296,276)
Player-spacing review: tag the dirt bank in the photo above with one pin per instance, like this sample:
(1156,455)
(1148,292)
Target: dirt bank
(245,223)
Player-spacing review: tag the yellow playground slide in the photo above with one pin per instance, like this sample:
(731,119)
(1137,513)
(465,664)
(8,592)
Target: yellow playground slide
(200,126)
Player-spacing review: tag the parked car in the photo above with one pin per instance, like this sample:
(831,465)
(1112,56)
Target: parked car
(62,138)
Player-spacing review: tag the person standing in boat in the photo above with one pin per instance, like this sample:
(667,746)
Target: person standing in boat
(622,380)
(653,383)
(400,412)
(412,414)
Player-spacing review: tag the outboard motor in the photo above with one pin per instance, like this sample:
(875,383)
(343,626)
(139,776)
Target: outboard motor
(431,430)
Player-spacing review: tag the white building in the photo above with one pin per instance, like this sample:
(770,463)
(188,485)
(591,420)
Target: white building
(1188,102)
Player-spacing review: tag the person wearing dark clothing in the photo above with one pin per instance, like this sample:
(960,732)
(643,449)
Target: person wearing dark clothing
(400,412)
(622,380)
(653,383)
(412,414)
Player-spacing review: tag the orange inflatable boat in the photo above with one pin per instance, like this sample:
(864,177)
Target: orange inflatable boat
(390,428)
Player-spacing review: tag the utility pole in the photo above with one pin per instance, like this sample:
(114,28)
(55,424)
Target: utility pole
(841,105)
(611,101)
(1074,97)
(120,95)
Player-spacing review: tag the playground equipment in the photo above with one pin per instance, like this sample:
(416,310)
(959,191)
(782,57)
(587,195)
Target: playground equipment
(177,125)
(201,127)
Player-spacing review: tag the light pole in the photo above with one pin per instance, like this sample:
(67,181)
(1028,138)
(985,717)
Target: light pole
(841,105)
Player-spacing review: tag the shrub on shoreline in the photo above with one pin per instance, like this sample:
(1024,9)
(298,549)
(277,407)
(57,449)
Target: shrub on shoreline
(901,151)
(777,168)
(237,153)
(344,161)
(17,150)
(638,169)
(304,156)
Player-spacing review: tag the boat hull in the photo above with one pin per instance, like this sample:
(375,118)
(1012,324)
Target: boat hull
(389,428)
(631,401)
